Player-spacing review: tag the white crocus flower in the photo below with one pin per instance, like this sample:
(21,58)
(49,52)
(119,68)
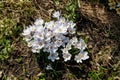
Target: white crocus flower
(81,45)
(52,47)
(49,25)
(30,43)
(46,46)
(35,50)
(35,47)
(40,28)
(41,44)
(71,30)
(65,50)
(26,31)
(39,32)
(49,67)
(32,28)
(61,20)
(71,24)
(48,35)
(53,35)
(66,56)
(58,43)
(53,56)
(38,44)
(68,46)
(74,41)
(65,39)
(27,38)
(60,28)
(39,22)
(58,36)
(39,35)
(81,56)
(56,14)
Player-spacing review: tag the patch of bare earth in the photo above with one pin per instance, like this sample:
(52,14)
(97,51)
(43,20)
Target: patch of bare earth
(103,28)
(22,63)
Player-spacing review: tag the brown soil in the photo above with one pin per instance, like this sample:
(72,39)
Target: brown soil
(96,21)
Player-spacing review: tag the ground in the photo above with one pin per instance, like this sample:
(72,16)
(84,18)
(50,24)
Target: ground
(98,25)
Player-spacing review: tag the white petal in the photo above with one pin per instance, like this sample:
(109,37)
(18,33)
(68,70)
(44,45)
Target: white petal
(39,22)
(56,14)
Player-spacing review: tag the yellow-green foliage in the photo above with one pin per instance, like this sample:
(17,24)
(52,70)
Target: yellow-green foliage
(13,16)
(6,34)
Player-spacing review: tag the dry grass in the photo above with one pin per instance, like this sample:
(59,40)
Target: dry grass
(103,43)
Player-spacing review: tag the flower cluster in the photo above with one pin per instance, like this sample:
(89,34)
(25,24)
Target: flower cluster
(53,36)
(115,4)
